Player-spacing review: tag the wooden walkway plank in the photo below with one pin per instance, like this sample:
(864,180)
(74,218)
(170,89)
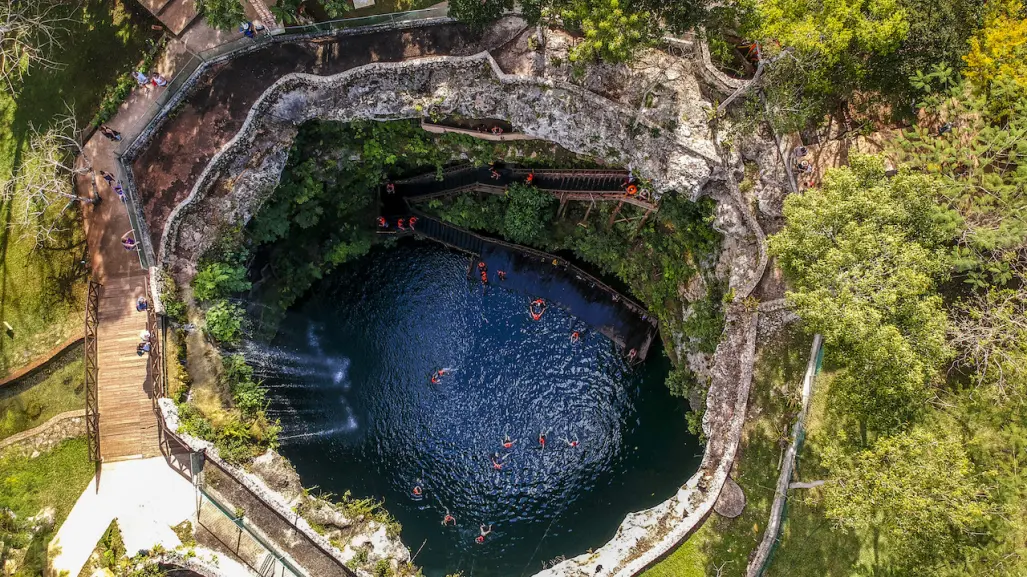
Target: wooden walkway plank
(127,421)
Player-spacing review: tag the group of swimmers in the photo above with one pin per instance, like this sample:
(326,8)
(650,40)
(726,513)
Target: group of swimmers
(497,465)
(483,270)
(401,224)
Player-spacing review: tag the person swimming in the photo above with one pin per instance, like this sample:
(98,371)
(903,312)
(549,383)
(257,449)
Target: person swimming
(449,519)
(382,223)
(537,308)
(575,336)
(508,443)
(497,463)
(413,219)
(501,274)
(632,354)
(399,224)
(417,491)
(542,439)
(484,532)
(570,443)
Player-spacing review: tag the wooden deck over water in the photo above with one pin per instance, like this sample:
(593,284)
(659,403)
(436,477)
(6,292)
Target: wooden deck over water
(128,426)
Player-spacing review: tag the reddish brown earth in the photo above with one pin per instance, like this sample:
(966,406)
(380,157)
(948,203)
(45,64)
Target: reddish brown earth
(167,169)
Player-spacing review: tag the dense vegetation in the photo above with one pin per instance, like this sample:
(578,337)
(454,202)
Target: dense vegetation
(918,284)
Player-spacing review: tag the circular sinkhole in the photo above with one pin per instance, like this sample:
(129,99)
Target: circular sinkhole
(350,378)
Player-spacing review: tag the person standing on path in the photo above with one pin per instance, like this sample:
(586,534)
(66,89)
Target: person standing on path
(140,77)
(108,177)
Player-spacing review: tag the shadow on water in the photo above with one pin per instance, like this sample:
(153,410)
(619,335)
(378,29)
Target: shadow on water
(350,377)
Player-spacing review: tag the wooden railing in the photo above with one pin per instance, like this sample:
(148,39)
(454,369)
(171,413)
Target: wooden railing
(91,372)
(157,363)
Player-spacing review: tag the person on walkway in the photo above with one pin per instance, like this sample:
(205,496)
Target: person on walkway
(142,348)
(247,30)
(140,77)
(141,304)
(120,191)
(497,130)
(108,177)
(110,133)
(128,241)
(508,443)
(484,532)
(158,80)
(145,335)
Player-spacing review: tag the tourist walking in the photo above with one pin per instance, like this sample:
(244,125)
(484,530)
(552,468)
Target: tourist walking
(141,78)
(128,241)
(158,80)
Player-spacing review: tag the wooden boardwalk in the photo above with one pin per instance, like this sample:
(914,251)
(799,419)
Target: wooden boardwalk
(128,425)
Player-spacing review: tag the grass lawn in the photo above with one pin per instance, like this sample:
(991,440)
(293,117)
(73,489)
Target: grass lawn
(810,544)
(726,544)
(42,290)
(27,486)
(25,407)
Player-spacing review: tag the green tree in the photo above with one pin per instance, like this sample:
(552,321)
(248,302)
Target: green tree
(528,213)
(863,253)
(829,45)
(221,14)
(611,32)
(478,13)
(918,489)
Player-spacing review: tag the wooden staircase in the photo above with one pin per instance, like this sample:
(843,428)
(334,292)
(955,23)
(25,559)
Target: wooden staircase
(128,425)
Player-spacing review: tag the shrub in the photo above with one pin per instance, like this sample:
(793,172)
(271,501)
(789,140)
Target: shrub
(219,280)
(221,14)
(224,322)
(528,214)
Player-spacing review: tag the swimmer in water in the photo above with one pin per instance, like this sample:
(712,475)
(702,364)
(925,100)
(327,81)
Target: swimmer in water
(449,519)
(382,223)
(497,463)
(632,354)
(399,224)
(575,336)
(501,274)
(413,219)
(508,443)
(438,374)
(481,538)
(542,439)
(571,444)
(417,491)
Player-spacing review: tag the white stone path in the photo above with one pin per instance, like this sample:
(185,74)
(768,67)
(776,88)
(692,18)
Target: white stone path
(146,496)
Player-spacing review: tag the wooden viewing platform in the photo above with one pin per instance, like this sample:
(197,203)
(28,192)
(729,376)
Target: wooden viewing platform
(128,426)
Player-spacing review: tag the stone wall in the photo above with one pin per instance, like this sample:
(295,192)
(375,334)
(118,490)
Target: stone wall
(245,172)
(46,436)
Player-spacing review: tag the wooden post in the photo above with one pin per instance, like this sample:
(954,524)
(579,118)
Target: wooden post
(563,205)
(613,216)
(641,223)
(584,221)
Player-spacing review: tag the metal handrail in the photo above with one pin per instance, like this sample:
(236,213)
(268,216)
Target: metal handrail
(92,322)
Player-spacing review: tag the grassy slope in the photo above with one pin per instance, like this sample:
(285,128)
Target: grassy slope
(61,391)
(42,291)
(810,544)
(726,543)
(55,479)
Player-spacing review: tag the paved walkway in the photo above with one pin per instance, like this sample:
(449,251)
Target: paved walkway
(146,497)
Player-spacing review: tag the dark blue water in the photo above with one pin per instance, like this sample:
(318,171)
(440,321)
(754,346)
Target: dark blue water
(351,385)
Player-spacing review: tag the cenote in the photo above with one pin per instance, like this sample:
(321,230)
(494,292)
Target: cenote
(350,371)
